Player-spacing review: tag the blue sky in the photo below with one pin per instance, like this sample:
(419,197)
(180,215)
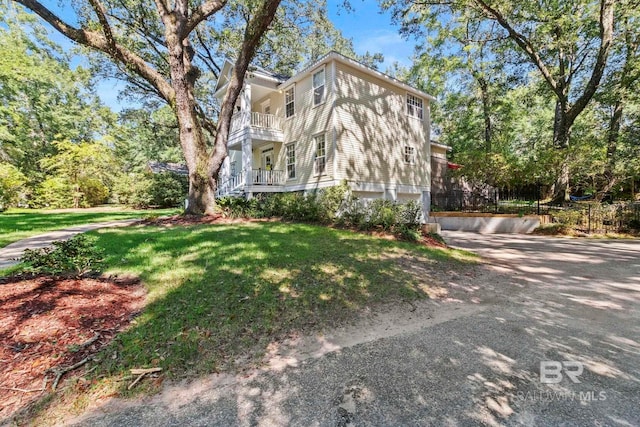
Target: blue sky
(369,29)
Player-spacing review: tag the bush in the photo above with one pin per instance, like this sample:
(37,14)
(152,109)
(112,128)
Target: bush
(76,256)
(165,190)
(334,205)
(12,185)
(168,190)
(55,192)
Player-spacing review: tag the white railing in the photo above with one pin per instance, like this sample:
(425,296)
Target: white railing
(242,119)
(231,185)
(267,177)
(266,121)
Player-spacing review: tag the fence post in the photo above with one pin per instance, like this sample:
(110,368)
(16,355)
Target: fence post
(589,219)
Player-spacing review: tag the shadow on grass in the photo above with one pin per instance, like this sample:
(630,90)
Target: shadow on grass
(219,294)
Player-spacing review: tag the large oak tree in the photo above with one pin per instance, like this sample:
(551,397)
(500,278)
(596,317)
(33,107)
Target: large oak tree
(153,41)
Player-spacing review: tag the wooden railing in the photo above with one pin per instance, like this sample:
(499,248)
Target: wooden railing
(267,177)
(242,119)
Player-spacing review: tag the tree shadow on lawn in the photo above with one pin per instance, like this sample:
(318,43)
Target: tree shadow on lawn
(219,294)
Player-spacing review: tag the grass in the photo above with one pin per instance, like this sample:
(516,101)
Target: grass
(17,224)
(218,295)
(223,292)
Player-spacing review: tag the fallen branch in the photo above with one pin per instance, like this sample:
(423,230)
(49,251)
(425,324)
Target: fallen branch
(61,371)
(35,390)
(141,373)
(89,341)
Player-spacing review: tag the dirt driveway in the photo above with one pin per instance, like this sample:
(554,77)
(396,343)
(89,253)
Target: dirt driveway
(472,359)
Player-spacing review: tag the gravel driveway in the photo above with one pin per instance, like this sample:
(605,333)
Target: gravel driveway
(470,359)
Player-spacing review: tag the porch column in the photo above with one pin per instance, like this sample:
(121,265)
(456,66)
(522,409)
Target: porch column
(247,160)
(245,105)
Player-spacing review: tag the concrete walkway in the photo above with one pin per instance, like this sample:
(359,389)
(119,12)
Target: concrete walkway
(10,254)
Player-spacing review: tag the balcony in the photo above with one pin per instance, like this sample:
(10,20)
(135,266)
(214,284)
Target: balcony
(254,125)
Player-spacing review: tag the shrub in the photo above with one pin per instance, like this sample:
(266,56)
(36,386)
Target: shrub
(334,205)
(77,256)
(94,192)
(168,189)
(165,190)
(54,192)
(12,185)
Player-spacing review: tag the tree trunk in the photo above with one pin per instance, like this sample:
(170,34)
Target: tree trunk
(486,113)
(201,198)
(561,188)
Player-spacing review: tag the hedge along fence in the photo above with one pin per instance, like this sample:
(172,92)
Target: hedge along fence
(332,206)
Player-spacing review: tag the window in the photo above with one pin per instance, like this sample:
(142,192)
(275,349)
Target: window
(409,155)
(414,106)
(233,168)
(291,160)
(321,155)
(289,102)
(318,87)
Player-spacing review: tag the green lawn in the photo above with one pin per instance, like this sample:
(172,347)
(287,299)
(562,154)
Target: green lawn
(16,224)
(222,292)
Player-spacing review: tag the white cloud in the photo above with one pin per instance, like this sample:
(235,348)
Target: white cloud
(389,43)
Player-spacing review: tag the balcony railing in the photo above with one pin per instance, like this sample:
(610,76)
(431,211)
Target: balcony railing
(267,177)
(242,119)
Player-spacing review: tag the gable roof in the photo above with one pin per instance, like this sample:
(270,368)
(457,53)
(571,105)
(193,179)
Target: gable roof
(333,55)
(281,80)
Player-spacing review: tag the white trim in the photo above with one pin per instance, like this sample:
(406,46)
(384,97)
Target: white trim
(334,119)
(443,146)
(406,106)
(284,93)
(315,152)
(323,70)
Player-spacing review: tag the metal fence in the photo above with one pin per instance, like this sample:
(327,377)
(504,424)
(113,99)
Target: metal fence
(588,217)
(599,218)
(489,201)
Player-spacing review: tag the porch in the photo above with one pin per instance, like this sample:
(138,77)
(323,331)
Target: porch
(260,180)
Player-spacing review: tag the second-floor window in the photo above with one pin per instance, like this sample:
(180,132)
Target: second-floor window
(414,106)
(318,87)
(291,160)
(409,155)
(289,102)
(321,155)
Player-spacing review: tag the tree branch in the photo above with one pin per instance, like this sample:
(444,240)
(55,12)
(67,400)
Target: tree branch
(201,13)
(521,41)
(99,42)
(606,39)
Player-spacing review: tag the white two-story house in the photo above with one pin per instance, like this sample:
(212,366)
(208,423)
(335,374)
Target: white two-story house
(335,120)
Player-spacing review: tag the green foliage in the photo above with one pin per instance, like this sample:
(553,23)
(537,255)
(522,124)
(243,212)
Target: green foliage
(76,256)
(142,190)
(80,176)
(333,205)
(55,192)
(12,185)
(168,190)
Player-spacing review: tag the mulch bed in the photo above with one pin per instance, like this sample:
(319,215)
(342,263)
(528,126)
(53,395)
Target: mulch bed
(51,324)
